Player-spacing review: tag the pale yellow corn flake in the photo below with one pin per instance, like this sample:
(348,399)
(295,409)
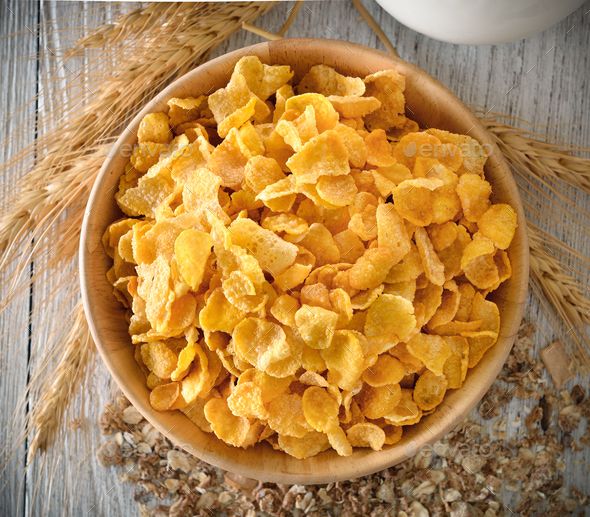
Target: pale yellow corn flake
(327,81)
(262,79)
(154,127)
(324,155)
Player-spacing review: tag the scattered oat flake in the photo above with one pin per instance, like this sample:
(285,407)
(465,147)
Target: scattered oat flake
(557,362)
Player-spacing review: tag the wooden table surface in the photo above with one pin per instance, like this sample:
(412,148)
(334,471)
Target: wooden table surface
(543,79)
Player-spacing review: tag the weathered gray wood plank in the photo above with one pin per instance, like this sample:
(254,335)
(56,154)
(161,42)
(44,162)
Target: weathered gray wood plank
(553,95)
(67,480)
(18,69)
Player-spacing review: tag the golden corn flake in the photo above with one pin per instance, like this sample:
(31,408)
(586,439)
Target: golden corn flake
(191,250)
(292,277)
(430,390)
(478,263)
(147,196)
(284,309)
(455,368)
(235,104)
(479,343)
(391,316)
(200,378)
(324,155)
(432,350)
(327,81)
(370,270)
(260,342)
(354,107)
(379,151)
(273,253)
(354,143)
(336,190)
(320,409)
(263,80)
(320,242)
(279,196)
(366,434)
(392,232)
(449,305)
(364,299)
(472,152)
(154,127)
(159,358)
(381,401)
(344,359)
(232,429)
(164,396)
(414,199)
(350,246)
(388,87)
(315,294)
(196,413)
(312,360)
(341,304)
(316,325)
(184,110)
(387,370)
(406,412)
(325,115)
(219,314)
(434,269)
(302,265)
(498,223)
(308,445)
(474,193)
(339,442)
(281,96)
(246,400)
(300,129)
(286,417)
(393,434)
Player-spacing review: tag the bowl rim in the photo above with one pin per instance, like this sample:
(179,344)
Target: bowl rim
(349,467)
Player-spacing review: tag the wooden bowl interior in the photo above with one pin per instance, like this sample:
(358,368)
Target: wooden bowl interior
(431,105)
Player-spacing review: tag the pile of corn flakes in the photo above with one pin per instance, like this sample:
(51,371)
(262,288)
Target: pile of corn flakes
(302,265)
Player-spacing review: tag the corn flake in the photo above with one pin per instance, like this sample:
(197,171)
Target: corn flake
(232,429)
(344,359)
(316,325)
(324,155)
(430,390)
(327,81)
(366,434)
(391,316)
(498,223)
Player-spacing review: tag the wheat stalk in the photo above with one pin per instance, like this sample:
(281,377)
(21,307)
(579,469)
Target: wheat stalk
(66,377)
(152,46)
(558,271)
(547,161)
(169,50)
(568,298)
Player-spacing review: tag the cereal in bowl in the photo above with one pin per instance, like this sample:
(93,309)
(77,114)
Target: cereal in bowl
(301,264)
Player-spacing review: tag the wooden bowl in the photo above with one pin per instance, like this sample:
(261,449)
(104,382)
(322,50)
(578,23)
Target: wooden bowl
(431,105)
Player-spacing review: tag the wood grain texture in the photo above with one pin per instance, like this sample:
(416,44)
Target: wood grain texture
(543,79)
(18,69)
